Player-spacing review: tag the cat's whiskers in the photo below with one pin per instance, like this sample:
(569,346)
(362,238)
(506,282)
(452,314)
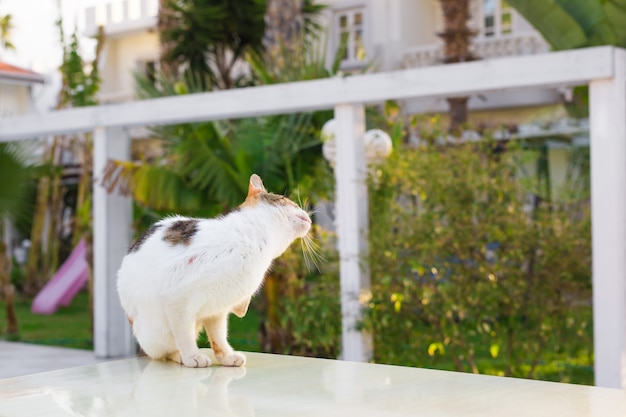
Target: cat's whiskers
(312,212)
(311,251)
(300,200)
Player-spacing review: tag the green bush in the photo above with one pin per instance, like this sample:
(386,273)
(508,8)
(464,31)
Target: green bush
(313,317)
(308,313)
(466,275)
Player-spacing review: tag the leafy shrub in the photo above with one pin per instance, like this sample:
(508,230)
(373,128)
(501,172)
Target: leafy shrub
(306,320)
(467,275)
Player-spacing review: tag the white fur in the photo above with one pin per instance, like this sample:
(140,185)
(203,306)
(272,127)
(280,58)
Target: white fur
(170,291)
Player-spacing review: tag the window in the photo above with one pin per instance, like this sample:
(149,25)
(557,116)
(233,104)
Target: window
(349,35)
(149,69)
(497,18)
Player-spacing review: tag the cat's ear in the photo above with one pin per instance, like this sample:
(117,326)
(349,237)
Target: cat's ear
(241,309)
(254,189)
(256,184)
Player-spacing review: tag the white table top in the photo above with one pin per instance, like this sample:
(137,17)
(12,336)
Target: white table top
(274,385)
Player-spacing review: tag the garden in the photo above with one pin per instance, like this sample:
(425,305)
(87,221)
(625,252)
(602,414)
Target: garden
(479,263)
(473,268)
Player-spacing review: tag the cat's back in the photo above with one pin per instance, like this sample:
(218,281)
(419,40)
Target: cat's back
(178,251)
(178,243)
(160,246)
(176,235)
(156,257)
(163,235)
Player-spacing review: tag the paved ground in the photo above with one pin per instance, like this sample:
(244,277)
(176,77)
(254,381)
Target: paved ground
(18,359)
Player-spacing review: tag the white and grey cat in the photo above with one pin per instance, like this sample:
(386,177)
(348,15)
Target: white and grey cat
(185,273)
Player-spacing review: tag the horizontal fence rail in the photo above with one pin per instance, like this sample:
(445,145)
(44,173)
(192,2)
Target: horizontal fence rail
(547,70)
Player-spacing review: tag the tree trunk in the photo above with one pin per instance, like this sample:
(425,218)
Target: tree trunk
(457,38)
(34,268)
(43,259)
(457,109)
(83,227)
(8,290)
(284,23)
(9,300)
(166,20)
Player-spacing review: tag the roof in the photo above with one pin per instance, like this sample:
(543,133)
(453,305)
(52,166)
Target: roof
(11,72)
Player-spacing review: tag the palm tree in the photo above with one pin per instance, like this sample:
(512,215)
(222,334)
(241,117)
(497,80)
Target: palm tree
(206,166)
(457,38)
(205,39)
(15,175)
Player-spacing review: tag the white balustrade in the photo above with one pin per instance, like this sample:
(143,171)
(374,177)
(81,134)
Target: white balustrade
(484,48)
(121,15)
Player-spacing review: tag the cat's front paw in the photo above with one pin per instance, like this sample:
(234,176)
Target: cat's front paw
(198,360)
(233,359)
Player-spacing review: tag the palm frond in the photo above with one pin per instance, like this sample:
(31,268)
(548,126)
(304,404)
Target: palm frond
(15,174)
(557,26)
(575,24)
(155,186)
(592,19)
(615,11)
(210,166)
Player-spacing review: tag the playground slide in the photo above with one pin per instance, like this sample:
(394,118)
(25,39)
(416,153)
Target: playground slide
(65,284)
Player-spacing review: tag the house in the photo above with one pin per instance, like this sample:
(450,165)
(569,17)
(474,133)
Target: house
(131,44)
(16,98)
(16,89)
(391,35)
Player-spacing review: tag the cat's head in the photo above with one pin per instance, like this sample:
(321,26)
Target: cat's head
(296,219)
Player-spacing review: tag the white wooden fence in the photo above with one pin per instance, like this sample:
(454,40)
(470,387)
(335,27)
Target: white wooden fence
(603,68)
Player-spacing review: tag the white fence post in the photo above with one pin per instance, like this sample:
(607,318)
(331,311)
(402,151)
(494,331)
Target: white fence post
(607,102)
(112,217)
(352,226)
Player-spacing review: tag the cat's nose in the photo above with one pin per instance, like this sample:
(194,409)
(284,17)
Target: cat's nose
(304,217)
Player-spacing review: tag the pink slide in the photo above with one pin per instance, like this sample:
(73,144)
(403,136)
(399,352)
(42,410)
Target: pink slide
(63,286)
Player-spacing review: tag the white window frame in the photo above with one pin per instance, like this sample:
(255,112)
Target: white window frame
(498,29)
(353,59)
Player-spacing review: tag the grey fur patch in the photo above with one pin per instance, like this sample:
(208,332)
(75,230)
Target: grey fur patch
(276,199)
(144,236)
(181,232)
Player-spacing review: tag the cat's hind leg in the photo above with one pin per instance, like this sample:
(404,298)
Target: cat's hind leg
(217,330)
(154,340)
(175,357)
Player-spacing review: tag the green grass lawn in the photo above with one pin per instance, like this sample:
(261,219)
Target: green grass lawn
(71,326)
(68,327)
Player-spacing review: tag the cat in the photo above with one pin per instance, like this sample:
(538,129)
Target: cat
(184,273)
